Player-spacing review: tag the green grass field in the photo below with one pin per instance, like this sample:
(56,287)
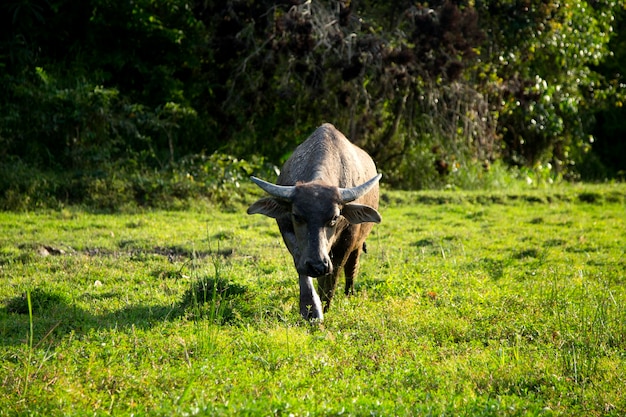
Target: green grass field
(478,304)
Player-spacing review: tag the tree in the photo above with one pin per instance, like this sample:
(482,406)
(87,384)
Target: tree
(427,88)
(545,55)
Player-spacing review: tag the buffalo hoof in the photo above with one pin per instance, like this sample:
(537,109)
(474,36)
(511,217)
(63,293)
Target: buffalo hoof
(311,313)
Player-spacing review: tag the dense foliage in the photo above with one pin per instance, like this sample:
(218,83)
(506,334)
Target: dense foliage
(99,87)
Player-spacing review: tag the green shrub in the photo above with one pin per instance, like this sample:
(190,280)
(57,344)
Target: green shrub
(216,179)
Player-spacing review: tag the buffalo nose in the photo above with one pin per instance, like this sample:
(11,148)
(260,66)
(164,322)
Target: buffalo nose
(317,269)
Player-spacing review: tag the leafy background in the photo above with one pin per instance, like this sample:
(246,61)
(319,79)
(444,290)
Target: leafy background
(106,98)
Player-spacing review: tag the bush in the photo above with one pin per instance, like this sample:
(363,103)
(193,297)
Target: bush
(435,91)
(213,179)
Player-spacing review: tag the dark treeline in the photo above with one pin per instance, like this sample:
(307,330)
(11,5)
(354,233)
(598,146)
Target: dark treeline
(98,86)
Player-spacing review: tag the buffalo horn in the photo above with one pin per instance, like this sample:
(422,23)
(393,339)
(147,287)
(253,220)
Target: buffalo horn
(351,194)
(284,192)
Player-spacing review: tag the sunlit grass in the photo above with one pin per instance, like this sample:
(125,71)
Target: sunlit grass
(467,304)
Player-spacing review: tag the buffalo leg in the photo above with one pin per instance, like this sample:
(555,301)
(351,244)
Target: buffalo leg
(310,304)
(350,269)
(326,286)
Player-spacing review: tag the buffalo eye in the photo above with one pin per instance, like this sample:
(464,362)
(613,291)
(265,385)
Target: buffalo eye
(333,222)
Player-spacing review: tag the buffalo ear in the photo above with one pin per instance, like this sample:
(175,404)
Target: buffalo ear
(359,213)
(269,207)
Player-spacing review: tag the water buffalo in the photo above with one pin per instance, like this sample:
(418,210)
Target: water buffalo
(324,202)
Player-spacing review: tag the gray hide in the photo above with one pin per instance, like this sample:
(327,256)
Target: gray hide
(324,202)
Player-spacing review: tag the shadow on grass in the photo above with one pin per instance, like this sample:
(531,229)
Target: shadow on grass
(218,300)
(55,315)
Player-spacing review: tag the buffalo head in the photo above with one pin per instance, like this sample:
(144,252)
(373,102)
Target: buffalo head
(315,214)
